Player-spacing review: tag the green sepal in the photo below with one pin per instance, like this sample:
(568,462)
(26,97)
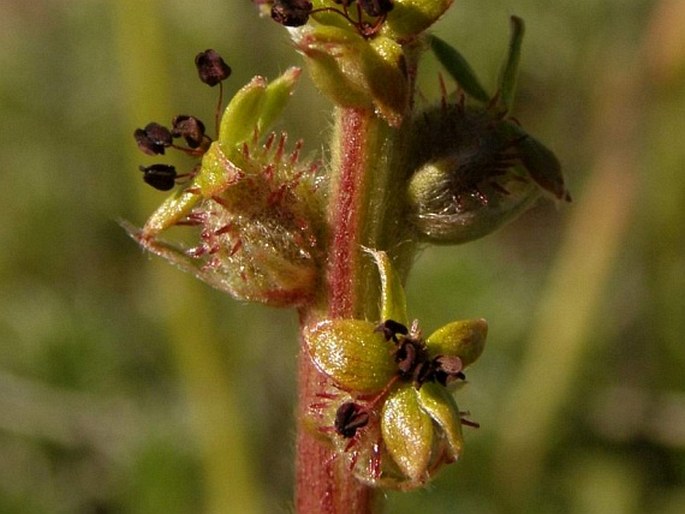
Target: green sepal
(464,339)
(323,15)
(393,298)
(217,172)
(458,67)
(509,71)
(328,50)
(388,80)
(274,280)
(407,433)
(175,207)
(255,107)
(174,255)
(409,18)
(276,98)
(354,72)
(439,404)
(357,358)
(242,113)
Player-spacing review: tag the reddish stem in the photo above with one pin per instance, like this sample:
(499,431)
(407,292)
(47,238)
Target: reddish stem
(324,485)
(346,214)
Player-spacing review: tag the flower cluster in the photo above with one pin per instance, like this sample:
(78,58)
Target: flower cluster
(414,362)
(391,415)
(255,204)
(260,230)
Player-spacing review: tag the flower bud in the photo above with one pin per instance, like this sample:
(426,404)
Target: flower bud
(251,111)
(409,18)
(470,178)
(475,169)
(389,414)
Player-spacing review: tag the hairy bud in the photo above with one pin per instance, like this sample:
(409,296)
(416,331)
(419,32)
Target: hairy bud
(471,181)
(475,169)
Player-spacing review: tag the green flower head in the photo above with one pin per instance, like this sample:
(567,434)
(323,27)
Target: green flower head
(393,417)
(252,206)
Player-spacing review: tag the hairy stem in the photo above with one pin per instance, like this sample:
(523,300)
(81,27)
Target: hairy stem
(347,209)
(363,153)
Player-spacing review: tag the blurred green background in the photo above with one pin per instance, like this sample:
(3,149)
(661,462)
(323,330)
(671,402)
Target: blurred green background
(126,387)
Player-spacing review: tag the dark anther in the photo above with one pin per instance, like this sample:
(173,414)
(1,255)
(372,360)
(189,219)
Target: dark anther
(407,356)
(349,418)
(291,13)
(160,176)
(390,328)
(153,139)
(423,372)
(344,3)
(447,369)
(211,67)
(376,7)
(190,128)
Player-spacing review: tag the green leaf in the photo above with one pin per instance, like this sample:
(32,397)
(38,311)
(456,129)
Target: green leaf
(357,358)
(509,72)
(543,167)
(457,66)
(407,433)
(463,339)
